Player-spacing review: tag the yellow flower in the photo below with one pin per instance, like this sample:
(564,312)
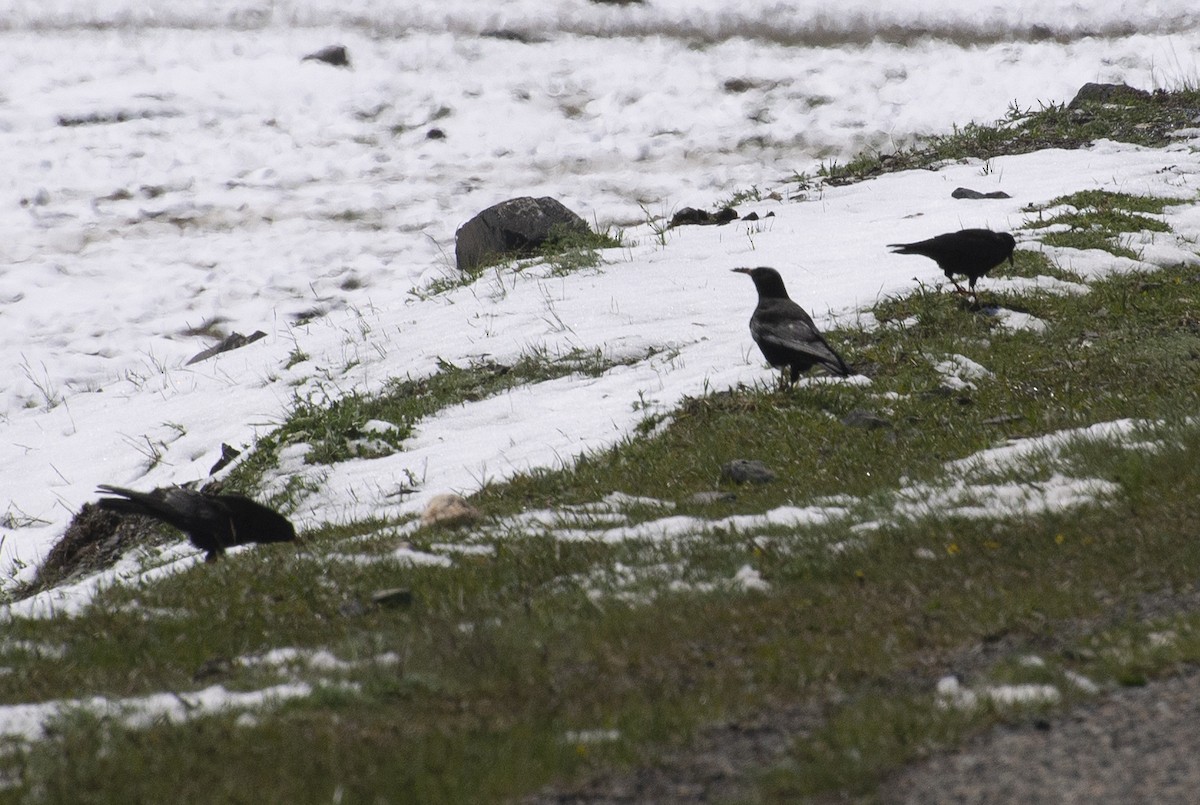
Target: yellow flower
(1060,539)
(952,548)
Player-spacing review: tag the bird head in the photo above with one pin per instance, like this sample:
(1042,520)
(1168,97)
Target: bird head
(767,282)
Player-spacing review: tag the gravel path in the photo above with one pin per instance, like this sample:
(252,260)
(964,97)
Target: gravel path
(1132,746)
(1137,745)
(1128,746)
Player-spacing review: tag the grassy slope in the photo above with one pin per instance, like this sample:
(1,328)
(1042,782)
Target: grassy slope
(536,657)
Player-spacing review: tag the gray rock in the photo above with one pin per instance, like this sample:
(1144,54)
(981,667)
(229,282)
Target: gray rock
(859,418)
(693,216)
(335,55)
(966,192)
(705,498)
(742,470)
(228,454)
(394,597)
(514,227)
(1107,93)
(232,341)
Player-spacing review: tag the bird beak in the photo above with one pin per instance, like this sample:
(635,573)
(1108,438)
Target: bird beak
(740,270)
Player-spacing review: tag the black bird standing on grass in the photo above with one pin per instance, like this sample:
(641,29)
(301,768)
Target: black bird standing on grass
(785,333)
(212,522)
(970,252)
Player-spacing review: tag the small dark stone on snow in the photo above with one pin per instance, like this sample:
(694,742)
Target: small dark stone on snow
(859,418)
(742,470)
(232,341)
(968,193)
(693,216)
(395,597)
(738,85)
(118,116)
(228,454)
(509,35)
(333,54)
(435,134)
(751,217)
(705,498)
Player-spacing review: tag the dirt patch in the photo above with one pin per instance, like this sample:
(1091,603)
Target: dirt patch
(719,765)
(723,761)
(93,541)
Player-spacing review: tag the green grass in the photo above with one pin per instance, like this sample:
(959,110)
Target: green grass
(337,427)
(1149,122)
(1096,219)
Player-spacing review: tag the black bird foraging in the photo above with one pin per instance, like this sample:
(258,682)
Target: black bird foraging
(970,252)
(212,522)
(785,333)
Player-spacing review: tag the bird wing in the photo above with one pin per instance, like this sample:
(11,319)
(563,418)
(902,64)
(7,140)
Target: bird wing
(969,251)
(797,335)
(191,512)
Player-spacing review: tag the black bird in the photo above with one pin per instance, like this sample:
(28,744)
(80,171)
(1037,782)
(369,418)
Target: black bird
(970,252)
(212,522)
(785,333)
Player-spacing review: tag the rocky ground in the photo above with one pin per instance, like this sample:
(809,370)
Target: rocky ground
(1125,745)
(1135,745)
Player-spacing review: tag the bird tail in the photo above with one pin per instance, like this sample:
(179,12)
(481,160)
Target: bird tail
(840,367)
(129,502)
(902,248)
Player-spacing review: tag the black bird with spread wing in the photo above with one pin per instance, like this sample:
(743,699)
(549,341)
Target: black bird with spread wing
(787,336)
(970,252)
(212,522)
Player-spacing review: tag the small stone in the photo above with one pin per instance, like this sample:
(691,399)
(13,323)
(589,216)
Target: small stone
(693,216)
(335,55)
(742,470)
(394,597)
(705,498)
(232,341)
(966,192)
(859,418)
(228,454)
(449,510)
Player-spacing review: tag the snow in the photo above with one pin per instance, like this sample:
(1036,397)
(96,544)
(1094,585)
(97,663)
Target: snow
(252,191)
(951,693)
(28,721)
